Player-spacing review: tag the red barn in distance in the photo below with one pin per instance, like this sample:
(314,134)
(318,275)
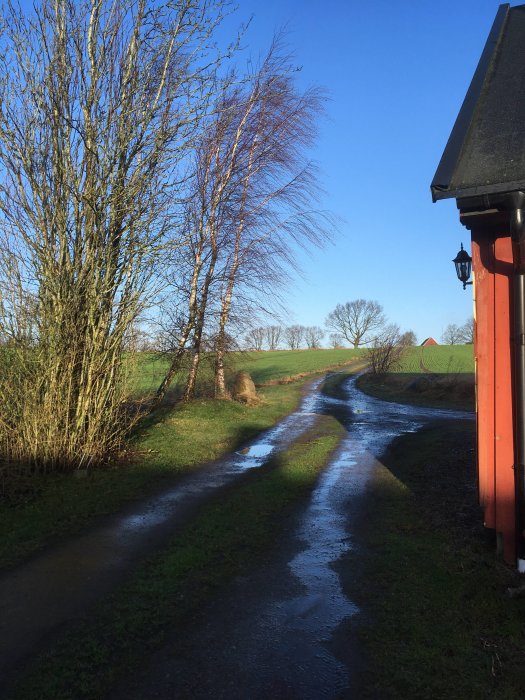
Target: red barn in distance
(483,167)
(428,341)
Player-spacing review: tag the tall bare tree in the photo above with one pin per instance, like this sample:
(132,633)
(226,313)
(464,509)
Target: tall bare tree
(357,321)
(293,336)
(255,338)
(274,201)
(273,336)
(253,200)
(208,223)
(99,101)
(204,222)
(313,336)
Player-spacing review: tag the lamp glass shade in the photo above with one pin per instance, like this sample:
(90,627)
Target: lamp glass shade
(463,263)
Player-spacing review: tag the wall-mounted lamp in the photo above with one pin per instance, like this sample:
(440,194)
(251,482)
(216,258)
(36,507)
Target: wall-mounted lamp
(463,263)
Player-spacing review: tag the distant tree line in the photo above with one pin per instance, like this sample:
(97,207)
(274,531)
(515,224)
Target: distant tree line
(291,337)
(360,323)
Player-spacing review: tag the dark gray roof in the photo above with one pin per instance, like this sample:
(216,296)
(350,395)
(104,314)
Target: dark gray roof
(486,150)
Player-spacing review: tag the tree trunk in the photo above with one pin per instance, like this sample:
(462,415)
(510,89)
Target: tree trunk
(220,381)
(220,384)
(189,391)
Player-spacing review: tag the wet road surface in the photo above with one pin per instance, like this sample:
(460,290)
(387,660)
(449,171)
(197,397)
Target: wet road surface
(57,586)
(269,636)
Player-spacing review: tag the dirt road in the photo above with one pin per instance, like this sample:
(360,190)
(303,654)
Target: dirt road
(274,633)
(287,630)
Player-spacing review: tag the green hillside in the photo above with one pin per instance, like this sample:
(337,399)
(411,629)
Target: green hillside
(442,359)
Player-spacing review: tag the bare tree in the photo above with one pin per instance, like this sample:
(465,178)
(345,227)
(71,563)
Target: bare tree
(293,336)
(251,205)
(452,335)
(385,351)
(273,336)
(98,106)
(357,320)
(408,339)
(467,331)
(255,338)
(206,222)
(272,203)
(313,336)
(336,340)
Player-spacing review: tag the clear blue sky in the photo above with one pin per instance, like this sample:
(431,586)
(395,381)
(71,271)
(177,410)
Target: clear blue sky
(397,73)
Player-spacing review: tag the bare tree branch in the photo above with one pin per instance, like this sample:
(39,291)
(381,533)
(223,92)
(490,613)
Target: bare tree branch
(313,336)
(386,351)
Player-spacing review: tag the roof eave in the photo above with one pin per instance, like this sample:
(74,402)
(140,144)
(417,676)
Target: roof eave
(480,191)
(449,159)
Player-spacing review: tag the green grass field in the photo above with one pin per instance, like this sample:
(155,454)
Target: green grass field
(439,359)
(439,376)
(147,369)
(172,441)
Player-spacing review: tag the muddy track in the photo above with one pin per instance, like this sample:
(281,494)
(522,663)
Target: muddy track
(292,608)
(72,575)
(287,630)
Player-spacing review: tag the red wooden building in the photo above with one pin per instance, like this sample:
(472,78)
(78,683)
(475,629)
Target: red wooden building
(483,167)
(427,342)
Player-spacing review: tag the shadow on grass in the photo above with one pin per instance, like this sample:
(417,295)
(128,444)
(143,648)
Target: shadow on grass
(438,466)
(432,591)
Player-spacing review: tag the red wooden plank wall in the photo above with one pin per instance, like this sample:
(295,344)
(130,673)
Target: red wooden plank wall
(492,266)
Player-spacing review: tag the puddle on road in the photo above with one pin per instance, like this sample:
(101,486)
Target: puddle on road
(322,605)
(160,509)
(257,451)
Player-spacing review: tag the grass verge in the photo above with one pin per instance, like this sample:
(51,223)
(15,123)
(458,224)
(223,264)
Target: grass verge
(436,621)
(451,391)
(174,441)
(442,359)
(227,538)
